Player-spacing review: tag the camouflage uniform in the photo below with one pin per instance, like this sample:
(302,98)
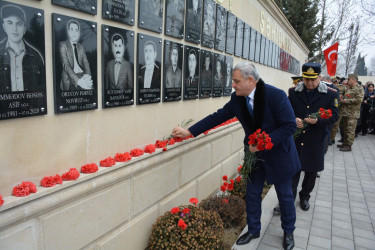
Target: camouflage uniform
(335,128)
(350,111)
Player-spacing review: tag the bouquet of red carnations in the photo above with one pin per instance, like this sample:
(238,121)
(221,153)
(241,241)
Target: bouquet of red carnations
(322,114)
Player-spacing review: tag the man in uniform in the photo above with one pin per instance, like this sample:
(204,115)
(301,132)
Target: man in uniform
(351,108)
(296,80)
(307,98)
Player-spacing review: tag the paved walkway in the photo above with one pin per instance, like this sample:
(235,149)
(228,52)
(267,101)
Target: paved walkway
(342,205)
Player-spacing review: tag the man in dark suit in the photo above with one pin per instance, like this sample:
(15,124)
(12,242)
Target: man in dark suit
(149,75)
(306,98)
(273,114)
(119,72)
(192,79)
(76,72)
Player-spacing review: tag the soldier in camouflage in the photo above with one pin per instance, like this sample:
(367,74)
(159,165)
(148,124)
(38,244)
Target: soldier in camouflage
(342,89)
(350,111)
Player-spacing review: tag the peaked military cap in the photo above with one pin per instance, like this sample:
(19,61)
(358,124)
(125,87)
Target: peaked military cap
(12,10)
(296,78)
(311,70)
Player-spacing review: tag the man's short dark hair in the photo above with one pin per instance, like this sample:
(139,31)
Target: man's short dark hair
(117,37)
(150,43)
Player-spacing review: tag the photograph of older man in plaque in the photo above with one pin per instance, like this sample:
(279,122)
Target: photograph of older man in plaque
(205,89)
(231,33)
(118,61)
(246,41)
(193,21)
(258,39)
(150,15)
(191,73)
(119,10)
(75,64)
(219,75)
(88,6)
(253,34)
(148,69)
(239,37)
(221,27)
(208,27)
(22,67)
(172,71)
(228,76)
(174,18)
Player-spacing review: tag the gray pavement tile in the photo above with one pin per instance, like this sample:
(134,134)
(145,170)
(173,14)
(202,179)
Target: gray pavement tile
(341,224)
(362,242)
(362,224)
(320,231)
(342,217)
(367,234)
(302,215)
(320,241)
(319,209)
(266,247)
(303,224)
(300,232)
(322,216)
(272,241)
(310,247)
(358,210)
(324,198)
(323,203)
(300,242)
(338,209)
(275,231)
(353,198)
(322,223)
(358,204)
(343,233)
(341,204)
(342,243)
(341,198)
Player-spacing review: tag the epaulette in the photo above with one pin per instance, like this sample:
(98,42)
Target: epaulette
(332,89)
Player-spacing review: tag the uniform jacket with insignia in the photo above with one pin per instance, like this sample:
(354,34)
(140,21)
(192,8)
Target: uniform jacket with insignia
(353,98)
(311,143)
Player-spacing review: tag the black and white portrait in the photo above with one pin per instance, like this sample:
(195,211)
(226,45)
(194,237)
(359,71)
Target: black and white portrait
(246,41)
(119,10)
(174,18)
(150,15)
(148,69)
(22,65)
(118,65)
(75,62)
(239,37)
(252,49)
(231,33)
(262,49)
(221,26)
(173,54)
(228,76)
(88,6)
(258,39)
(206,74)
(193,21)
(191,81)
(219,69)
(208,27)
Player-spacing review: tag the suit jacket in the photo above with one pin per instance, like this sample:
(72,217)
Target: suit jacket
(272,114)
(311,143)
(125,76)
(173,78)
(69,78)
(156,77)
(191,82)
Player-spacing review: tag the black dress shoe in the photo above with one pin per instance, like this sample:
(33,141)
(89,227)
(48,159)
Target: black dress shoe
(304,205)
(246,238)
(277,209)
(288,242)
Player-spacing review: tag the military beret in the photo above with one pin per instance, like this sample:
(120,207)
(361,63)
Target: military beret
(311,70)
(355,76)
(12,10)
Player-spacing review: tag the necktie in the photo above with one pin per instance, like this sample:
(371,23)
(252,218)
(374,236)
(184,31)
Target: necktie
(249,106)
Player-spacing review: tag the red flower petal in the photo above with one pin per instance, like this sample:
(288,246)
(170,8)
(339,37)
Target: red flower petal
(1,200)
(71,175)
(107,162)
(136,152)
(149,149)
(89,168)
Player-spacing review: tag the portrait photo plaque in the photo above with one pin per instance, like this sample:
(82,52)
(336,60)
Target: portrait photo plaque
(221,27)
(231,33)
(246,41)
(193,21)
(266,51)
(258,40)
(253,35)
(118,67)
(262,49)
(22,81)
(219,65)
(173,59)
(205,89)
(88,6)
(148,69)
(208,27)
(121,11)
(150,15)
(174,18)
(228,76)
(75,64)
(191,73)
(239,37)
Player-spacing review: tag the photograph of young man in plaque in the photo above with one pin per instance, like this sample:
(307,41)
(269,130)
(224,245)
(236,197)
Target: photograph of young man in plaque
(22,67)
(206,74)
(150,15)
(208,36)
(193,21)
(118,58)
(221,26)
(148,70)
(231,33)
(239,37)
(219,76)
(228,76)
(174,18)
(119,11)
(191,73)
(75,64)
(172,70)
(88,6)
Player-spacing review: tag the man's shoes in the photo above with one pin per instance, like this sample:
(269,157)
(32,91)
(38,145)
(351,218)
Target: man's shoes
(372,132)
(246,238)
(341,145)
(288,242)
(346,148)
(341,140)
(329,143)
(277,209)
(304,205)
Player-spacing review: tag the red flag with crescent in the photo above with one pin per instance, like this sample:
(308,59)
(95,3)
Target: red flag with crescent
(330,55)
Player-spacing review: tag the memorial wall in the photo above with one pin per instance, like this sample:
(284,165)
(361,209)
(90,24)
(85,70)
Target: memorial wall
(81,81)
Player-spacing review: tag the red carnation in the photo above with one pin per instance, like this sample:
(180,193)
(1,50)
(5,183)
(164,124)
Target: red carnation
(239,168)
(1,200)
(182,224)
(149,149)
(238,179)
(194,201)
(48,181)
(223,188)
(89,168)
(175,210)
(71,175)
(160,144)
(136,152)
(165,149)
(24,189)
(171,141)
(230,187)
(107,162)
(225,178)
(186,211)
(123,157)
